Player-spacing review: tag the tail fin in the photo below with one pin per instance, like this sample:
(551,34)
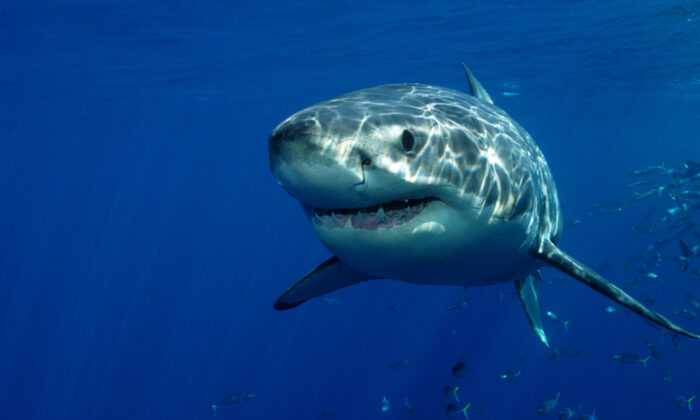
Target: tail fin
(465,409)
(644,361)
(564,262)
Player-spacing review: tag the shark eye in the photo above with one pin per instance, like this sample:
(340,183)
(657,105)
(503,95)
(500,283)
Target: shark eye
(407,140)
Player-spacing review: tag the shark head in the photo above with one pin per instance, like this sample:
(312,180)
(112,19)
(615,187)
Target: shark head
(400,181)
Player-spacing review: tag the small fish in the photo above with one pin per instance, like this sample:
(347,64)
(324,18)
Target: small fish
(609,204)
(646,170)
(588,416)
(453,410)
(327,415)
(607,266)
(571,223)
(673,211)
(605,211)
(690,193)
(692,167)
(573,352)
(686,314)
(555,318)
(233,399)
(459,369)
(548,406)
(684,402)
(384,405)
(693,302)
(689,251)
(557,352)
(451,334)
(647,194)
(630,358)
(675,339)
(647,300)
(556,280)
(509,374)
(610,309)
(451,391)
(653,277)
(645,230)
(667,376)
(401,365)
(566,413)
(511,93)
(656,354)
(685,224)
(408,406)
(236,398)
(632,284)
(650,212)
(502,296)
(392,309)
(640,183)
(454,306)
(642,253)
(331,301)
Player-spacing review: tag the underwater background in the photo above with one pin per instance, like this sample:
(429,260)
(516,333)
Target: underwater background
(144,240)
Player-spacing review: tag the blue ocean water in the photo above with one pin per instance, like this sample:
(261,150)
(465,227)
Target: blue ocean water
(144,238)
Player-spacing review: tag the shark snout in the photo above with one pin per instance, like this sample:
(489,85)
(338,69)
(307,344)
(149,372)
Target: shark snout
(311,171)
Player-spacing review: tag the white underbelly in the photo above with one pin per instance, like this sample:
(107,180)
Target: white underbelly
(442,246)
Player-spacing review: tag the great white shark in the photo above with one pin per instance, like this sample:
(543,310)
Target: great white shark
(427,185)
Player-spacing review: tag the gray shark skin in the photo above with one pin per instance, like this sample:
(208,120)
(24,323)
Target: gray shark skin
(426,185)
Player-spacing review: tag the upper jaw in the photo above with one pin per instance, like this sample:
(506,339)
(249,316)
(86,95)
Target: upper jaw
(385,215)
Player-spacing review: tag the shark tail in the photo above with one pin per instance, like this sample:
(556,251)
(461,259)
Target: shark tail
(564,262)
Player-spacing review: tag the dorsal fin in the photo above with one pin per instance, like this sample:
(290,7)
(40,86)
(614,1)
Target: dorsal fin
(476,87)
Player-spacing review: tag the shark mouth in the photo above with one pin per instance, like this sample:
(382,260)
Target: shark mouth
(394,213)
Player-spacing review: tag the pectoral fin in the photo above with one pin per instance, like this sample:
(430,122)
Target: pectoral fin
(331,275)
(564,262)
(527,291)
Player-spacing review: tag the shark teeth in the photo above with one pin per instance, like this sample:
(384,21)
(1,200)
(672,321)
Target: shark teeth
(381,216)
(384,215)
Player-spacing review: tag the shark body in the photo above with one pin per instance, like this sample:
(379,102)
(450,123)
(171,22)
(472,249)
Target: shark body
(427,185)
